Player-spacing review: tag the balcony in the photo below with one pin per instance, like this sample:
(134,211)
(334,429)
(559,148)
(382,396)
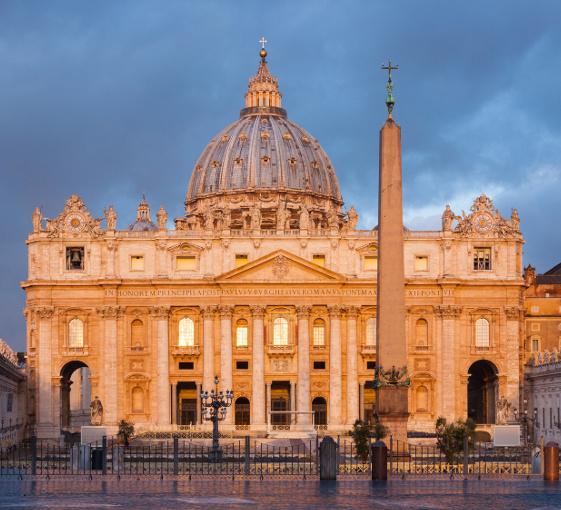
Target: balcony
(281,350)
(186,351)
(368,350)
(75,351)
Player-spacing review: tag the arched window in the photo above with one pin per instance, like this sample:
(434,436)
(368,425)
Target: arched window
(241,333)
(481,332)
(75,333)
(137,334)
(422,333)
(137,400)
(370,331)
(319,333)
(422,399)
(242,411)
(319,408)
(186,333)
(280,331)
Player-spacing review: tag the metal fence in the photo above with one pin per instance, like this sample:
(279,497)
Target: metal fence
(251,457)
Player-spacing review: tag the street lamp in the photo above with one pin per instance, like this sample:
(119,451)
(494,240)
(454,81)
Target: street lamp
(214,406)
(526,420)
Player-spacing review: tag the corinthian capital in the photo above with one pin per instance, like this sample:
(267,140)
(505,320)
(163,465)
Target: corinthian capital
(226,311)
(303,311)
(160,312)
(512,312)
(110,312)
(448,311)
(335,311)
(45,312)
(209,311)
(257,310)
(352,311)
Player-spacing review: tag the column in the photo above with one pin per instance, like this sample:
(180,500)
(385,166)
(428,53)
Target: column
(352,369)
(199,410)
(293,417)
(303,389)
(174,403)
(258,370)
(449,314)
(226,355)
(335,393)
(513,322)
(45,419)
(208,347)
(361,401)
(108,375)
(161,316)
(268,405)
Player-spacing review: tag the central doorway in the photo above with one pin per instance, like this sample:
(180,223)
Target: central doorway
(483,387)
(280,401)
(75,396)
(187,399)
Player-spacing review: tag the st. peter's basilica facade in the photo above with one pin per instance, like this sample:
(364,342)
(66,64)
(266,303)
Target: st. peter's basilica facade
(267,283)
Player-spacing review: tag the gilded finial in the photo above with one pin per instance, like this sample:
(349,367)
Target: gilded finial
(389,86)
(263,52)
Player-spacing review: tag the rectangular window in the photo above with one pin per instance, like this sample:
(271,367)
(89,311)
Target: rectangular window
(535,345)
(370,365)
(421,263)
(319,260)
(241,259)
(75,258)
(137,262)
(370,263)
(482,259)
(242,365)
(186,263)
(319,365)
(186,365)
(10,403)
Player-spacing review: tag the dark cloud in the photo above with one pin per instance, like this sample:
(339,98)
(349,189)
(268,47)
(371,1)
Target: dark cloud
(112,99)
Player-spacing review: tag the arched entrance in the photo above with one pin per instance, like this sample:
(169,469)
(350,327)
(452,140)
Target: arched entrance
(482,391)
(242,416)
(319,408)
(75,396)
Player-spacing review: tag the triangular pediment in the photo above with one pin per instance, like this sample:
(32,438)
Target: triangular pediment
(280,266)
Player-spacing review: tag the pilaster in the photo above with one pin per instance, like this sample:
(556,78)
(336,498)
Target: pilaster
(161,316)
(258,373)
(303,389)
(352,366)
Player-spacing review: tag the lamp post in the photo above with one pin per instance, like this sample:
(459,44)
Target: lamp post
(213,405)
(526,421)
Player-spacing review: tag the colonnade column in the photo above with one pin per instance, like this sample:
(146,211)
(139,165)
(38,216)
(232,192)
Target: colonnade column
(174,403)
(293,387)
(258,370)
(108,375)
(44,389)
(335,393)
(513,320)
(303,387)
(352,370)
(199,410)
(208,314)
(226,355)
(161,316)
(449,314)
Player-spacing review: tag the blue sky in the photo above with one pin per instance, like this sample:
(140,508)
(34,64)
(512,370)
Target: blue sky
(112,99)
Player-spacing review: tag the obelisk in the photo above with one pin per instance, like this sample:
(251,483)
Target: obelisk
(391,404)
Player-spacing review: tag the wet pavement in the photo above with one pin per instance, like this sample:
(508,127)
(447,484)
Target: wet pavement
(77,493)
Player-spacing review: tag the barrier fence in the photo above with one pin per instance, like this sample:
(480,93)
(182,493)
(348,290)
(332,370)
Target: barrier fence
(253,457)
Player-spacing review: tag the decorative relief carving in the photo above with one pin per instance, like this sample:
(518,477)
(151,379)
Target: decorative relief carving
(209,311)
(45,312)
(257,310)
(512,312)
(7,353)
(160,312)
(110,312)
(448,311)
(280,267)
(352,311)
(303,311)
(280,365)
(335,311)
(136,365)
(484,219)
(226,311)
(74,219)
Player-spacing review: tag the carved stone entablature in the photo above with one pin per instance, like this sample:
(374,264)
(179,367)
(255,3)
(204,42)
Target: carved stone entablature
(45,312)
(303,311)
(513,312)
(257,311)
(334,311)
(110,312)
(448,311)
(226,311)
(160,312)
(485,220)
(74,219)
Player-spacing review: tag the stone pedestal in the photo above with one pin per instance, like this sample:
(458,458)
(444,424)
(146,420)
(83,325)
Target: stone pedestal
(393,410)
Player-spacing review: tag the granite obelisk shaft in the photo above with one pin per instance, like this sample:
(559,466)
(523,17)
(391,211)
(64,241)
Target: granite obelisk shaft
(392,348)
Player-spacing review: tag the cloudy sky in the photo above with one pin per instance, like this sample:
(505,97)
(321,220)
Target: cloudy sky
(112,99)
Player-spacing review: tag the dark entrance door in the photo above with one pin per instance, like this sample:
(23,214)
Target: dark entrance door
(280,401)
(482,392)
(187,412)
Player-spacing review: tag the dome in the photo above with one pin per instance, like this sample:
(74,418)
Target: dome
(263,151)
(143,222)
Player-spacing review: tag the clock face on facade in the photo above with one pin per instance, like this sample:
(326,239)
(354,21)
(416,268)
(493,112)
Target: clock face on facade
(483,223)
(74,222)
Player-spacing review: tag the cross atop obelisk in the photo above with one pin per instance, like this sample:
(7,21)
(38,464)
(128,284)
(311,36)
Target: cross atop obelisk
(389,86)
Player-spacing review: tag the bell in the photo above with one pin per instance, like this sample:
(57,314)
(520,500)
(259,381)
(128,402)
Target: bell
(76,258)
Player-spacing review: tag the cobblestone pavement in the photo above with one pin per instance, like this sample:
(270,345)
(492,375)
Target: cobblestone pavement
(76,493)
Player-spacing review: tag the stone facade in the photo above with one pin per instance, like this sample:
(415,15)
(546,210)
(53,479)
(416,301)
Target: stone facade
(13,403)
(268,284)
